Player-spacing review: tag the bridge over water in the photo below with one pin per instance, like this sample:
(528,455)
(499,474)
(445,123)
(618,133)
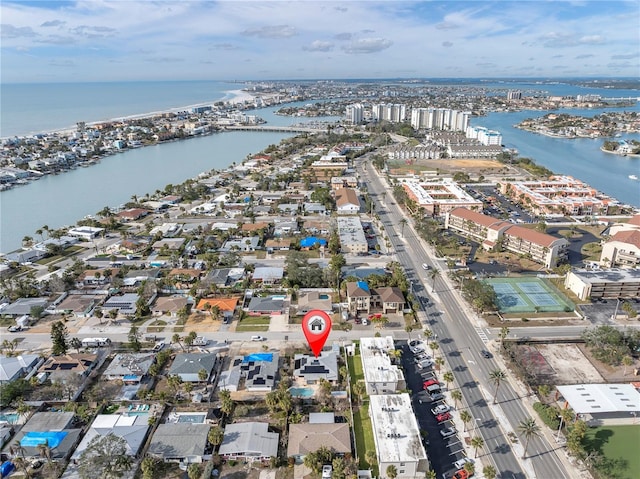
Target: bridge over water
(278,129)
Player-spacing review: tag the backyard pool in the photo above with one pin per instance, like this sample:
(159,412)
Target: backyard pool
(301,392)
(10,418)
(192,418)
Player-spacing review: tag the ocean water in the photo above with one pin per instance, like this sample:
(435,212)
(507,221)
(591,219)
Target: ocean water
(38,107)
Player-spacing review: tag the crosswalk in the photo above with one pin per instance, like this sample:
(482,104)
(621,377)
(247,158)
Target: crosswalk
(483,334)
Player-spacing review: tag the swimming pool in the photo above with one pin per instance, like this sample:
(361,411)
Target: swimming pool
(192,418)
(301,392)
(11,418)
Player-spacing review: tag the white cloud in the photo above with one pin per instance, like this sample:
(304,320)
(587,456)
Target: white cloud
(318,46)
(275,31)
(367,45)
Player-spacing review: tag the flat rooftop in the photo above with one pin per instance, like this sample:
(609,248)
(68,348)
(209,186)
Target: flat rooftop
(601,398)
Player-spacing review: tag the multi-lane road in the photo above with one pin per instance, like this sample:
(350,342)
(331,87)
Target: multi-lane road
(460,343)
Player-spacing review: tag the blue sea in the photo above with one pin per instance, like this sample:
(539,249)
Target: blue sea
(38,107)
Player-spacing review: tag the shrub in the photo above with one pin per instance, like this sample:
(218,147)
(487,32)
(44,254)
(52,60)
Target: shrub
(548,414)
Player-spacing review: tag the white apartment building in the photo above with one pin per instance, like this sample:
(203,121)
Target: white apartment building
(355,113)
(352,238)
(484,135)
(394,113)
(380,375)
(606,283)
(397,436)
(439,119)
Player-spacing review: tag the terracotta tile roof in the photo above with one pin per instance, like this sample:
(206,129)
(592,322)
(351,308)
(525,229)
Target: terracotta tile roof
(133,213)
(477,218)
(255,226)
(635,220)
(631,237)
(346,196)
(225,304)
(532,236)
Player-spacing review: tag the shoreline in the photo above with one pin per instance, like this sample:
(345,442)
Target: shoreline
(239,96)
(632,155)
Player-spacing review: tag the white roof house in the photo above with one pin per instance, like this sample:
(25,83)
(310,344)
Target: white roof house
(249,440)
(132,429)
(14,367)
(601,398)
(397,435)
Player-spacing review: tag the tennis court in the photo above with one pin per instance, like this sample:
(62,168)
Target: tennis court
(528,295)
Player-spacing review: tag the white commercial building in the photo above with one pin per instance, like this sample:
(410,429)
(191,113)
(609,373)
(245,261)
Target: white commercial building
(355,113)
(602,403)
(351,234)
(397,436)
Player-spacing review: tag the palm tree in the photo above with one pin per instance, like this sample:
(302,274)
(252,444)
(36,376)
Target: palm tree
(439,363)
(408,328)
(448,378)
(371,457)
(17,447)
(359,389)
(465,417)
(626,361)
(216,435)
(403,223)
(434,347)
(177,339)
(489,472)
(528,428)
(392,472)
(431,474)
(433,275)
(496,377)
(477,442)
(456,395)
(22,465)
(504,332)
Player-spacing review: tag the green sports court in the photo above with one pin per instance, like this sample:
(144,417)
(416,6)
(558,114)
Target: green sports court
(528,295)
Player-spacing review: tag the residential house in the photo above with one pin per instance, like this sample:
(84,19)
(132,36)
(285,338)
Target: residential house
(54,428)
(241,244)
(341,182)
(277,244)
(222,277)
(16,367)
(23,306)
(60,368)
(269,305)
(226,306)
(169,306)
(123,303)
(258,371)
(311,370)
(189,365)
(132,214)
(314,209)
(129,367)
(362,299)
(133,429)
(622,250)
(249,441)
(309,300)
(184,443)
(268,274)
(306,438)
(171,244)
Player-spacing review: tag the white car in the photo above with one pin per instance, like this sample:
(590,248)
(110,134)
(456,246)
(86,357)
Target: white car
(425,266)
(441,409)
(448,432)
(257,338)
(327,471)
(436,396)
(416,346)
(459,464)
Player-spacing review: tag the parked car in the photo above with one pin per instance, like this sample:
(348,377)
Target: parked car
(461,474)
(258,338)
(443,417)
(448,432)
(15,328)
(159,346)
(459,464)
(416,346)
(327,471)
(440,409)
(429,382)
(436,396)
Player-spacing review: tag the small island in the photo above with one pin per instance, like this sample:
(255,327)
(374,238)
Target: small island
(563,125)
(624,148)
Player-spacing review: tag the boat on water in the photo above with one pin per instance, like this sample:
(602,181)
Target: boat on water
(633,177)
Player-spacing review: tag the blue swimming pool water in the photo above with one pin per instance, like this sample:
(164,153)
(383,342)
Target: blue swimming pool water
(266,357)
(11,418)
(301,392)
(192,418)
(35,438)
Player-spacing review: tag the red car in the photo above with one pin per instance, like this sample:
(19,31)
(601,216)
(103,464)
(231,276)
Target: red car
(443,417)
(461,474)
(428,383)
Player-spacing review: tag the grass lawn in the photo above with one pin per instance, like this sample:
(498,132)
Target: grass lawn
(254,323)
(364,435)
(617,442)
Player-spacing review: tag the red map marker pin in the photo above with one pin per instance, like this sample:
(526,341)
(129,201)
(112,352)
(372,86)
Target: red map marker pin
(316,325)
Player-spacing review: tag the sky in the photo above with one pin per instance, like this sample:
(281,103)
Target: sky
(132,40)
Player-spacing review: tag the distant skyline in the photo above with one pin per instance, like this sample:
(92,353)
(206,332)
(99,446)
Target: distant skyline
(105,40)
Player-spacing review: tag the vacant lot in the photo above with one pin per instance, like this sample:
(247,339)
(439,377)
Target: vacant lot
(570,364)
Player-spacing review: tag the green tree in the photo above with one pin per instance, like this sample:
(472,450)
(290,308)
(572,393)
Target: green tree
(477,442)
(456,395)
(216,435)
(194,470)
(226,403)
(105,457)
(178,340)
(465,417)
(504,333)
(448,378)
(529,429)
(496,377)
(392,471)
(190,339)
(371,457)
(359,389)
(489,472)
(134,339)
(76,344)
(150,467)
(59,335)
(203,375)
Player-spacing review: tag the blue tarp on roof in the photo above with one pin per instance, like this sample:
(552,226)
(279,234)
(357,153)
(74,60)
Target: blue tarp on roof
(6,468)
(363,285)
(35,438)
(131,377)
(311,241)
(266,357)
